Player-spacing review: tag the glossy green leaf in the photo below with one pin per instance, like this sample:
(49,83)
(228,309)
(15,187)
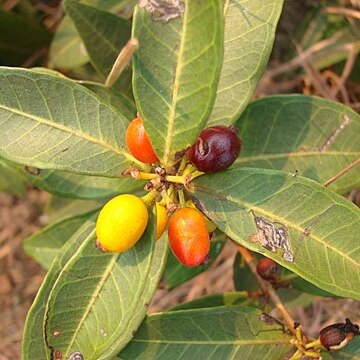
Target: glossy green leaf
(20,38)
(46,244)
(208,334)
(176,71)
(224,299)
(49,122)
(176,273)
(249,35)
(33,344)
(316,137)
(104,35)
(114,98)
(10,180)
(319,227)
(67,50)
(100,299)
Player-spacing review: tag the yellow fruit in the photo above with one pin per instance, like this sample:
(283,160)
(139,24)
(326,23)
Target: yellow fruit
(161,220)
(121,223)
(211,227)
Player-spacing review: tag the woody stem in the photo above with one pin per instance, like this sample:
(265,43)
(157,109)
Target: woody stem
(267,288)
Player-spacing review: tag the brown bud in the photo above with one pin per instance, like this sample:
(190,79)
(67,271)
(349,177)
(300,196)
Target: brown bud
(336,336)
(267,268)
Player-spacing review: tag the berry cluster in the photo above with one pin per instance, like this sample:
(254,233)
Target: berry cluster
(123,220)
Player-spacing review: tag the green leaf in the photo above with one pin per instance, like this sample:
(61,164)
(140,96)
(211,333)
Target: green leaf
(67,50)
(20,37)
(249,35)
(304,286)
(33,344)
(46,244)
(319,227)
(114,98)
(176,71)
(176,273)
(316,137)
(204,334)
(224,299)
(103,34)
(98,299)
(82,187)
(49,122)
(10,180)
(59,208)
(293,298)
(243,277)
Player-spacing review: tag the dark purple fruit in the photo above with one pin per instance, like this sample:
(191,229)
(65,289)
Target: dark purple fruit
(267,268)
(216,148)
(336,336)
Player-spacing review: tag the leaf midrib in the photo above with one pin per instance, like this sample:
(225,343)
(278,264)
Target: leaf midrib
(94,297)
(237,342)
(179,67)
(70,131)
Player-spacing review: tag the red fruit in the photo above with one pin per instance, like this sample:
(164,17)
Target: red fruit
(216,148)
(188,236)
(138,142)
(267,268)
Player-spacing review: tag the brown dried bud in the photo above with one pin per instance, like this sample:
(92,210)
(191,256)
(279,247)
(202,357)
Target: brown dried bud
(267,268)
(336,336)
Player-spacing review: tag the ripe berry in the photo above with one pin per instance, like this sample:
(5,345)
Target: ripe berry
(211,227)
(216,148)
(121,223)
(138,142)
(161,220)
(267,268)
(336,336)
(188,236)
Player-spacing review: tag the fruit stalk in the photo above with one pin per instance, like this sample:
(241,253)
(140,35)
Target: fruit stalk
(268,288)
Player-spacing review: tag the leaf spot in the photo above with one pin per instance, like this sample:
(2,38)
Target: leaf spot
(76,356)
(103,332)
(272,238)
(163,10)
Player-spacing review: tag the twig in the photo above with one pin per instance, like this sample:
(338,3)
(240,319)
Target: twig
(350,62)
(342,172)
(337,85)
(309,53)
(343,11)
(267,288)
